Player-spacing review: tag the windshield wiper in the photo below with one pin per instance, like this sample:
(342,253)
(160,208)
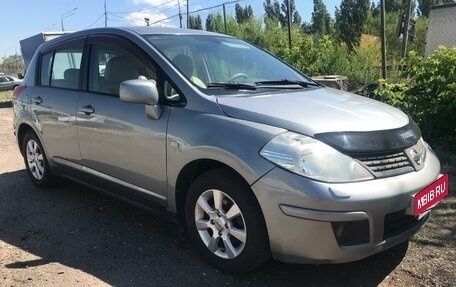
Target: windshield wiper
(235,86)
(286,83)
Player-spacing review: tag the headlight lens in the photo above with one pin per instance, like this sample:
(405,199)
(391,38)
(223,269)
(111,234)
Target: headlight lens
(311,158)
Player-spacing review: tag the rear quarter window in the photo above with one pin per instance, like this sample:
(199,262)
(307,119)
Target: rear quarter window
(61,68)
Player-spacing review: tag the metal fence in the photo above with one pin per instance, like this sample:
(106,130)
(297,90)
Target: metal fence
(12,68)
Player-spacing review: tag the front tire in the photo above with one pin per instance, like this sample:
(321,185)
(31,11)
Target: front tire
(225,222)
(36,161)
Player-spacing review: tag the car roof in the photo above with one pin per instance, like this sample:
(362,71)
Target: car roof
(131,31)
(145,30)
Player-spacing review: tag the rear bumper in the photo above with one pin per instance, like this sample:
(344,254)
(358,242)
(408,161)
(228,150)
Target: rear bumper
(315,222)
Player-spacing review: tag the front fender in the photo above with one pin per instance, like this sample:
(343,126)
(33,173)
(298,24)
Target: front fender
(236,143)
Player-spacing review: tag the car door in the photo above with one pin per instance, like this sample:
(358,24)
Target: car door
(3,83)
(54,100)
(118,142)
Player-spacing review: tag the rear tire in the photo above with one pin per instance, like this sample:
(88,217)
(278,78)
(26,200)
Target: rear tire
(36,161)
(225,222)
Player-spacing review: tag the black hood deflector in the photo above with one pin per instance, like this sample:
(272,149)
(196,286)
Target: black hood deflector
(374,141)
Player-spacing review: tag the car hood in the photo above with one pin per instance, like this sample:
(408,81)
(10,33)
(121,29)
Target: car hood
(314,111)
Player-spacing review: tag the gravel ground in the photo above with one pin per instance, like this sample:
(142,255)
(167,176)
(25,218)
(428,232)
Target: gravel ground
(74,236)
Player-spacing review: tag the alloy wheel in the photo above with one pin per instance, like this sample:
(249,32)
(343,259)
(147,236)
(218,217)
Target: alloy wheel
(220,224)
(35,159)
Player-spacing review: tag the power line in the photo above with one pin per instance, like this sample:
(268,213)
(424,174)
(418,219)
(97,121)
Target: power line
(216,6)
(94,22)
(199,10)
(141,18)
(170,17)
(169,8)
(118,16)
(145,9)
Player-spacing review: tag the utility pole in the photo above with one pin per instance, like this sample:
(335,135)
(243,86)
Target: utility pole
(188,17)
(180,15)
(383,37)
(15,60)
(66,15)
(289,23)
(405,35)
(224,18)
(105,14)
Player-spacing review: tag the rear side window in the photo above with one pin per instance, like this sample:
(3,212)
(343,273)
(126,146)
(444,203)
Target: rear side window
(61,68)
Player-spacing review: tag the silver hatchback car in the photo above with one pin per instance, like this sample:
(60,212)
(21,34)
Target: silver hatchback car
(254,157)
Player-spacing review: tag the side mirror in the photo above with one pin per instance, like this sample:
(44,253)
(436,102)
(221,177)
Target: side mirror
(141,92)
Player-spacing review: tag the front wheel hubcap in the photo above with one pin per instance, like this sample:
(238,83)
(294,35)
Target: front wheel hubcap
(220,224)
(35,159)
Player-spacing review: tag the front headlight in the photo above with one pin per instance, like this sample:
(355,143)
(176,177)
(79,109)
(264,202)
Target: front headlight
(311,158)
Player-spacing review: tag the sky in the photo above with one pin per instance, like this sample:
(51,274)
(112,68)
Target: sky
(20,19)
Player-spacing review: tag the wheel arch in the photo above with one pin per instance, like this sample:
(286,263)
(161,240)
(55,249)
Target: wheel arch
(189,173)
(21,132)
(225,179)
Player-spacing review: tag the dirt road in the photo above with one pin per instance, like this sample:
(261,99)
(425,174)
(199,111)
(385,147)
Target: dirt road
(75,236)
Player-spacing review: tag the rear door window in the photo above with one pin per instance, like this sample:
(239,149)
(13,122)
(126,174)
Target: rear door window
(66,68)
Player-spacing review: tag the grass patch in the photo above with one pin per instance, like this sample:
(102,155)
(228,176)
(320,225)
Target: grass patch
(5,96)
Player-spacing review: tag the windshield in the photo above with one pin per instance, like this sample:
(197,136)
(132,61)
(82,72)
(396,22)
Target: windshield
(220,62)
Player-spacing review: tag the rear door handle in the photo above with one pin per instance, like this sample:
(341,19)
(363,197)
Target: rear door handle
(87,109)
(37,100)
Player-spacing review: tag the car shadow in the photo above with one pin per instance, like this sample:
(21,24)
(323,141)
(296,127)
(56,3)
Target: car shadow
(7,104)
(124,246)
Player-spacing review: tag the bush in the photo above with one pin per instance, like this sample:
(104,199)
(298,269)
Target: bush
(428,94)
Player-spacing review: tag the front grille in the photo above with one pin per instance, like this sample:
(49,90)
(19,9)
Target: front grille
(383,165)
(398,222)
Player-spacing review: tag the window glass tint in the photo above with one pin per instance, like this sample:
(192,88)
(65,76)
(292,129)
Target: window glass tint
(111,65)
(46,62)
(65,68)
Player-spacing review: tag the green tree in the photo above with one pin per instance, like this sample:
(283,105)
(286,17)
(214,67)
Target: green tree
(272,12)
(321,20)
(243,14)
(214,23)
(419,42)
(351,17)
(278,13)
(295,17)
(195,22)
(394,5)
(306,28)
(428,93)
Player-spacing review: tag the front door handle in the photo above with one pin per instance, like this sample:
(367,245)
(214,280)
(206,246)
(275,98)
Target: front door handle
(37,100)
(87,109)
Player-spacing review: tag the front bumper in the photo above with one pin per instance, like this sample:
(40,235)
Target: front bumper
(304,217)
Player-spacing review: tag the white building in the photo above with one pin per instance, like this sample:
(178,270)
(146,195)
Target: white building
(441,27)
